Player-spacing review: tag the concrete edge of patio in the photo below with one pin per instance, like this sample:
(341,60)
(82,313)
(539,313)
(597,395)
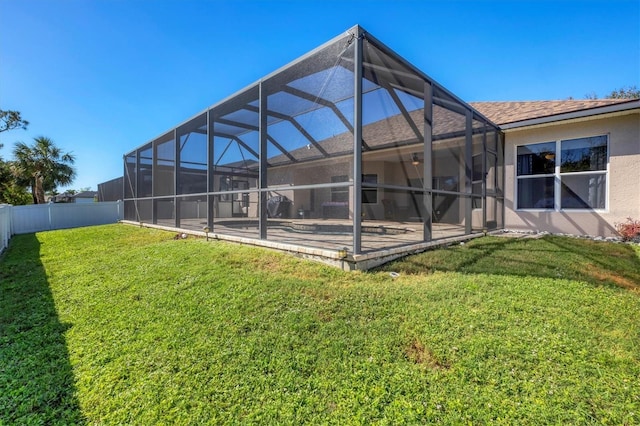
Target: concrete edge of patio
(335,258)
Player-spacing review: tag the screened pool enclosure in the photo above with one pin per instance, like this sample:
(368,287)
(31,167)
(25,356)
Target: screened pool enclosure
(349,146)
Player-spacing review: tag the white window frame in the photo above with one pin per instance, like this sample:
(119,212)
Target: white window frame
(557,177)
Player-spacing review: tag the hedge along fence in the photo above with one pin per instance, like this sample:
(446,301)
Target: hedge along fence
(45,217)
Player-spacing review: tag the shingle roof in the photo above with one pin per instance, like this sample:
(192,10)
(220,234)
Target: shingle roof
(85,194)
(391,131)
(395,131)
(514,111)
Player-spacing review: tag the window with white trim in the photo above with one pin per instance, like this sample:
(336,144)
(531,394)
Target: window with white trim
(562,175)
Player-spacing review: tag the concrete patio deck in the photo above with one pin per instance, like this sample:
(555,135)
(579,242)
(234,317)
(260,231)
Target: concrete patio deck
(325,240)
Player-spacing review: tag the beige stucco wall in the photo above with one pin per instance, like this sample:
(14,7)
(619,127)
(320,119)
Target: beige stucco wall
(623,179)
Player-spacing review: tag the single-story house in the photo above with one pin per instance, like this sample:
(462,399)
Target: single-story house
(571,166)
(77,197)
(353,155)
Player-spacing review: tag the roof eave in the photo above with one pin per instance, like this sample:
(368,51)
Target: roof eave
(606,109)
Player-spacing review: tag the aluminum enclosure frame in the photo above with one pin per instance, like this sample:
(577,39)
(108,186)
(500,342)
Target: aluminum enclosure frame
(334,135)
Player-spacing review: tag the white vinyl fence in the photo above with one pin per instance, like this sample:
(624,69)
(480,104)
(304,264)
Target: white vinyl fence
(5,226)
(45,217)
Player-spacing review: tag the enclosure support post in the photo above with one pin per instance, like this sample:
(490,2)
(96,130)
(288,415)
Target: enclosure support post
(176,166)
(262,205)
(154,166)
(357,143)
(468,163)
(484,177)
(427,183)
(210,162)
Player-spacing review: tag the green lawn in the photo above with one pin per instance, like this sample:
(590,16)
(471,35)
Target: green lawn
(122,325)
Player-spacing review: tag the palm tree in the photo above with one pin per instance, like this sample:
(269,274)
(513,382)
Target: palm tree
(42,166)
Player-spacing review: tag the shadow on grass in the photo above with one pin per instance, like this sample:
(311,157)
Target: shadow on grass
(594,262)
(36,379)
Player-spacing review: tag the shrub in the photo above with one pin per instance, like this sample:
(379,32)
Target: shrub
(629,230)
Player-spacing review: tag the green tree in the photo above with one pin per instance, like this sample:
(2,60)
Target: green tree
(42,167)
(629,92)
(10,120)
(10,191)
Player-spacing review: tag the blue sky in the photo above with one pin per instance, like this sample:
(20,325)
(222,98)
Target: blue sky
(101,77)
